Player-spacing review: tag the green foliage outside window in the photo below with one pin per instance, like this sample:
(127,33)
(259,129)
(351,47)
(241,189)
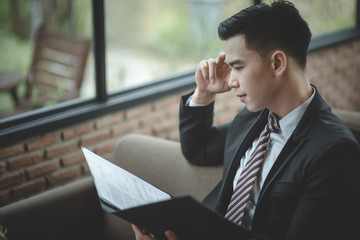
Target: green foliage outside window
(3,233)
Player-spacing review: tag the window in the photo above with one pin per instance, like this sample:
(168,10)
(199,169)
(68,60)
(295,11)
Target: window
(328,16)
(46,55)
(158,38)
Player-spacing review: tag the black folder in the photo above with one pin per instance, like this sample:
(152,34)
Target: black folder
(188,218)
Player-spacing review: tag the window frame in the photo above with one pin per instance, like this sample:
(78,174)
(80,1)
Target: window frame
(33,123)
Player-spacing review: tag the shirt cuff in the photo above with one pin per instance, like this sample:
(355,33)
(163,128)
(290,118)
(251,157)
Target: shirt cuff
(190,103)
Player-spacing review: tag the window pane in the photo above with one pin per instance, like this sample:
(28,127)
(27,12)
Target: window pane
(327,16)
(149,40)
(46,55)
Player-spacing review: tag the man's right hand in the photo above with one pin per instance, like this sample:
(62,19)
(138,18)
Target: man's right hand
(211,78)
(140,235)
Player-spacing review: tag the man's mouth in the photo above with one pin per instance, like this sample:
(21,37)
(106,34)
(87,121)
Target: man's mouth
(241,96)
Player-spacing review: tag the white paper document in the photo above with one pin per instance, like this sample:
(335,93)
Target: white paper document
(119,187)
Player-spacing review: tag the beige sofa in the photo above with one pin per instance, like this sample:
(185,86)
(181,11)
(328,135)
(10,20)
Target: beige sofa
(73,211)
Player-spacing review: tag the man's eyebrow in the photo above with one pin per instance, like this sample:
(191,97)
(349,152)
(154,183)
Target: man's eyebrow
(233,62)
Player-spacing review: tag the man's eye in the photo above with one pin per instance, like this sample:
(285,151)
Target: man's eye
(238,68)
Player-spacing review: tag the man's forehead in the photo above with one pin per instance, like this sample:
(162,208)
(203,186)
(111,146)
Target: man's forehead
(235,56)
(236,40)
(236,50)
(235,46)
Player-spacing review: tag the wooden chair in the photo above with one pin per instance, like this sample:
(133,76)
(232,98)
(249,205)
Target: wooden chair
(57,69)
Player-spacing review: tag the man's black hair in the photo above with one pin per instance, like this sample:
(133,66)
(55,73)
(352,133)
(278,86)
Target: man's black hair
(278,26)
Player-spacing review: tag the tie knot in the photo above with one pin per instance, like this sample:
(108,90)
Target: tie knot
(273,124)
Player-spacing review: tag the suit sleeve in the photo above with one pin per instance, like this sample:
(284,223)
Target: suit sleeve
(201,142)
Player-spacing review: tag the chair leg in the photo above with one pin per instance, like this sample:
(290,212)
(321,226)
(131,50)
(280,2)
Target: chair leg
(14,96)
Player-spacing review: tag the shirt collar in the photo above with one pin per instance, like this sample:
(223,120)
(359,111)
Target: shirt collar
(292,119)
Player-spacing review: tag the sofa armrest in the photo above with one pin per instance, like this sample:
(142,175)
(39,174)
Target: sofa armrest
(161,163)
(351,119)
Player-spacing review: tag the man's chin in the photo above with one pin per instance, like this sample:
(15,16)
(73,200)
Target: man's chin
(253,108)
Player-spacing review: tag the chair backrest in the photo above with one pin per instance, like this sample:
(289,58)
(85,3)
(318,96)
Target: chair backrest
(57,67)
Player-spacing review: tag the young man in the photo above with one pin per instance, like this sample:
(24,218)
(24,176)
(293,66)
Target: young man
(291,168)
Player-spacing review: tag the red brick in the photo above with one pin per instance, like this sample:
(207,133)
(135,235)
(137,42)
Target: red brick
(43,142)
(42,168)
(224,117)
(145,131)
(231,104)
(11,179)
(64,174)
(174,135)
(10,151)
(138,111)
(59,149)
(152,118)
(124,128)
(28,188)
(165,126)
(2,167)
(25,160)
(165,135)
(168,102)
(94,137)
(172,112)
(4,197)
(77,130)
(106,147)
(72,158)
(85,168)
(109,120)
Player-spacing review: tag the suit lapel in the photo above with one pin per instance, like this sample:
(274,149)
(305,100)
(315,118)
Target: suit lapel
(295,142)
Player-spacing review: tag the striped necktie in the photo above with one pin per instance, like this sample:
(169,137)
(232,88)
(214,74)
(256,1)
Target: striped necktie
(240,196)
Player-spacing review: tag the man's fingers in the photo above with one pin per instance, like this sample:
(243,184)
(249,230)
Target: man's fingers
(139,234)
(212,63)
(203,69)
(221,58)
(212,70)
(137,231)
(208,70)
(170,235)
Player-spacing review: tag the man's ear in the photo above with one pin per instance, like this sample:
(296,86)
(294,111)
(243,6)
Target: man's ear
(279,62)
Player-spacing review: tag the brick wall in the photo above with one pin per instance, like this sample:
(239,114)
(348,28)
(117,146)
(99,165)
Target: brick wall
(336,74)
(46,161)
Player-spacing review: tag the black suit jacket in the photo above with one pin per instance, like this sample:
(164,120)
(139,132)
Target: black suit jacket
(313,189)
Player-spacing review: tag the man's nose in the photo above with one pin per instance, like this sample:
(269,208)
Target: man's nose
(233,82)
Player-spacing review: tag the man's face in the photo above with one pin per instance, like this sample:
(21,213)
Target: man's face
(251,76)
